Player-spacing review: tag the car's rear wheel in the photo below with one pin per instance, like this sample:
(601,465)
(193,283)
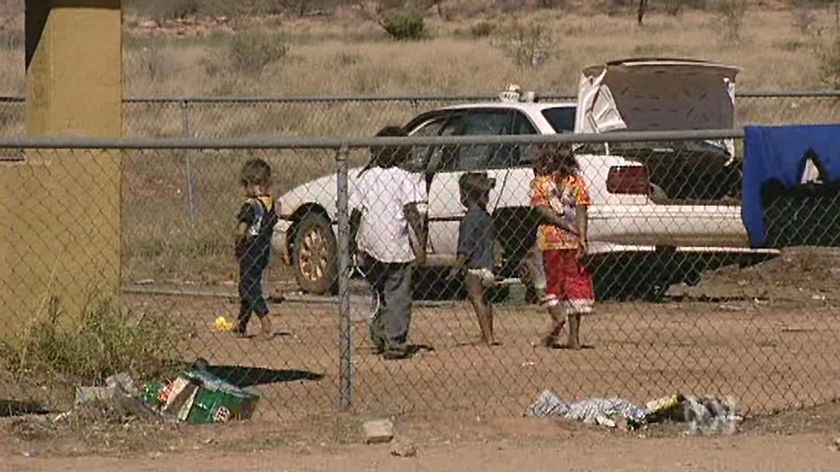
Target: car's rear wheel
(314,255)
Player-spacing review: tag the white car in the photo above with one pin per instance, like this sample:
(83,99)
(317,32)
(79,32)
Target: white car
(662,212)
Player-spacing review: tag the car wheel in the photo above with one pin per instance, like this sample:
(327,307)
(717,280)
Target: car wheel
(314,255)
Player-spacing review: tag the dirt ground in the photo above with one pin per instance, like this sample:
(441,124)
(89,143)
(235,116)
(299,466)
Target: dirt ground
(765,335)
(801,440)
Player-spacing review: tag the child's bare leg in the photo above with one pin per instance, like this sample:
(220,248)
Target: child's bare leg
(483,310)
(558,321)
(574,331)
(242,319)
(265,327)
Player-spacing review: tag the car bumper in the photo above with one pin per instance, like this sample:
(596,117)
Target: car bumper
(279,241)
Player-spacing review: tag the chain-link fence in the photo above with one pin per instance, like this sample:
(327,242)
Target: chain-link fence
(682,304)
(243,117)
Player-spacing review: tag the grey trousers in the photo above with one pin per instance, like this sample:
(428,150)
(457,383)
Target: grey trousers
(391,283)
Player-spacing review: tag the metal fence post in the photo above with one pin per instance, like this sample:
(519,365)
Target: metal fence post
(345,342)
(189,163)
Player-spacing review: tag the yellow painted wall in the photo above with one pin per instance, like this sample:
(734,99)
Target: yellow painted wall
(61,208)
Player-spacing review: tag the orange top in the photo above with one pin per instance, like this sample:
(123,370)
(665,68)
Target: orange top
(563,195)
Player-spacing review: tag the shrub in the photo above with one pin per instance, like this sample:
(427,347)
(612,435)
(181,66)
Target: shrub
(527,43)
(104,340)
(829,64)
(732,13)
(803,16)
(252,52)
(404,25)
(672,7)
(482,29)
(155,64)
(162,10)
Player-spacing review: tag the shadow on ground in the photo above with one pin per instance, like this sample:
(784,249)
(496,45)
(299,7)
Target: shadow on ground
(18,408)
(244,377)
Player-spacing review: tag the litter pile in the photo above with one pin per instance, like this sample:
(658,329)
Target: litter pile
(195,396)
(701,414)
(198,397)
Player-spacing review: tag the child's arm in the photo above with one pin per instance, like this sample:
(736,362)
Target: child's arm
(541,189)
(551,217)
(582,223)
(240,235)
(355,222)
(415,220)
(243,220)
(460,263)
(465,242)
(582,202)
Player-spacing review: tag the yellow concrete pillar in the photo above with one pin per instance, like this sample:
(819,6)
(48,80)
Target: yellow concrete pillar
(61,208)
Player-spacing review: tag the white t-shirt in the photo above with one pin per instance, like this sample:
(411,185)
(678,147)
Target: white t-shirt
(380,194)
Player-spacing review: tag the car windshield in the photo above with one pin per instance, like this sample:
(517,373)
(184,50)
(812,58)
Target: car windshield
(561,119)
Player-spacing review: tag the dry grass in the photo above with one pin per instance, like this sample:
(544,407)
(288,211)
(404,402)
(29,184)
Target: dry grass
(774,55)
(347,55)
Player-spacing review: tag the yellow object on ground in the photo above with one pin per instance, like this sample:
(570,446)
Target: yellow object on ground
(222,324)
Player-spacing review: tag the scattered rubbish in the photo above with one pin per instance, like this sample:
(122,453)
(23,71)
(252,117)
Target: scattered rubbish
(403,448)
(710,415)
(378,431)
(194,396)
(119,396)
(701,414)
(120,384)
(91,394)
(223,324)
(820,298)
(796,329)
(198,397)
(731,308)
(601,411)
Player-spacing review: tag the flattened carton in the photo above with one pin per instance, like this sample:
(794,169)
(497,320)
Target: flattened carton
(217,401)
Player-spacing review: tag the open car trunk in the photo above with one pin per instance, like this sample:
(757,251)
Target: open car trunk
(667,95)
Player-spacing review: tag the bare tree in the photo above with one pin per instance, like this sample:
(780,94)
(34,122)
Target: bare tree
(643,4)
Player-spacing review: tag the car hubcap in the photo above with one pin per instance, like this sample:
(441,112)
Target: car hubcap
(313,255)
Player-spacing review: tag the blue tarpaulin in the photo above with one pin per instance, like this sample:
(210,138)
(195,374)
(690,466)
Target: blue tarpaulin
(781,153)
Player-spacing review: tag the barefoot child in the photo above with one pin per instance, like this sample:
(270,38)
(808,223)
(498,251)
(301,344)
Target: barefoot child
(255,223)
(475,248)
(560,197)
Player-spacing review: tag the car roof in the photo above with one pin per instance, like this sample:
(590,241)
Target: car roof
(523,106)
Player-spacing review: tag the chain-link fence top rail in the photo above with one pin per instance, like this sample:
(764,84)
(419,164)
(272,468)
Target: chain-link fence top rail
(765,334)
(243,117)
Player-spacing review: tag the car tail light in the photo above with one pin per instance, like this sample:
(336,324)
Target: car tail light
(628,179)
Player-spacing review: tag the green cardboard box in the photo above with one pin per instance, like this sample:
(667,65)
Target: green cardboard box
(217,401)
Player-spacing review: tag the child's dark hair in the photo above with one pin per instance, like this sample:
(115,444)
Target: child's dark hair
(255,172)
(474,186)
(557,157)
(388,156)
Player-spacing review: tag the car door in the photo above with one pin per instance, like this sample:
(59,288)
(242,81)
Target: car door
(449,163)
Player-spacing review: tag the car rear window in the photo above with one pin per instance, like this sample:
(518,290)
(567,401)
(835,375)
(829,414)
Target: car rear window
(562,119)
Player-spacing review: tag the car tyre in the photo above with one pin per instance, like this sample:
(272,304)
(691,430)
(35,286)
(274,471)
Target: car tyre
(314,255)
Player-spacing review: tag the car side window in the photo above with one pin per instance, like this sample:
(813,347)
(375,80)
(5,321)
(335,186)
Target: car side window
(511,155)
(522,125)
(480,122)
(419,158)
